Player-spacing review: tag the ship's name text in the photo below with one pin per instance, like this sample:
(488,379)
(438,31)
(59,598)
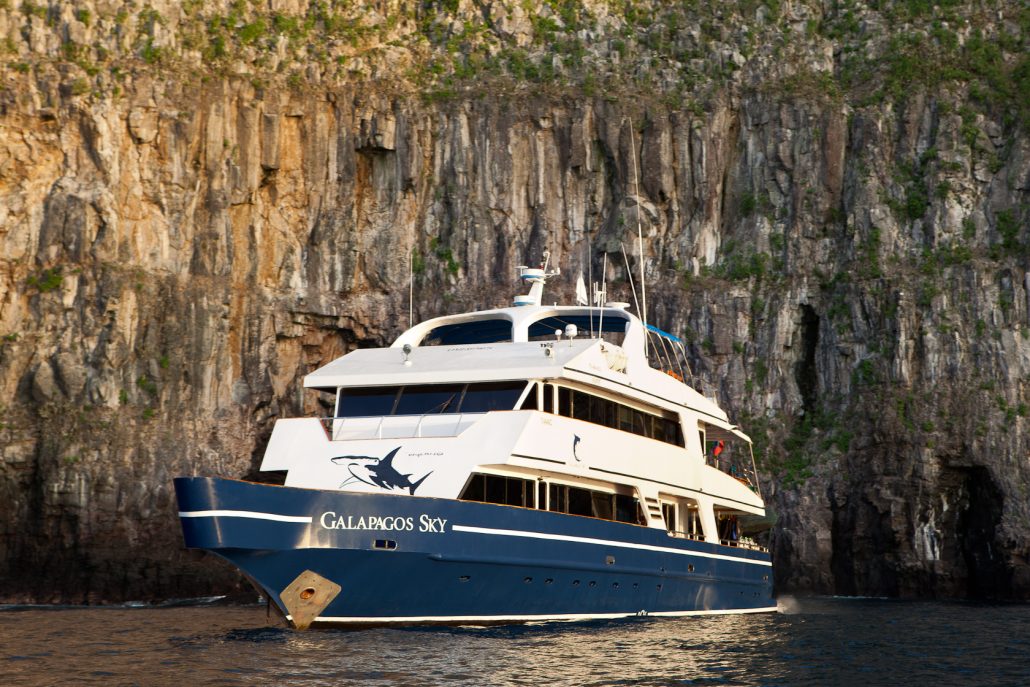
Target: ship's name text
(425,523)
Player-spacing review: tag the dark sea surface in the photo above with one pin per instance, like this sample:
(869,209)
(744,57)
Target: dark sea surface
(810,642)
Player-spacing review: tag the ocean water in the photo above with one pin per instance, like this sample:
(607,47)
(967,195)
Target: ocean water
(810,642)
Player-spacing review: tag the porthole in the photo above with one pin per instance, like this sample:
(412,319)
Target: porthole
(384,544)
(549,580)
(636,585)
(615,585)
(659,587)
(575,583)
(464,578)
(690,567)
(592,583)
(527,580)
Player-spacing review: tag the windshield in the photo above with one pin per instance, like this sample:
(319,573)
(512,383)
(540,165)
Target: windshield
(429,399)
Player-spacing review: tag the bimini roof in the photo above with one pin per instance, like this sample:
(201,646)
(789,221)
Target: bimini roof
(527,323)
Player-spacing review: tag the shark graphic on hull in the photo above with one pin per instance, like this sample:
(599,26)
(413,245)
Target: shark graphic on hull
(378,472)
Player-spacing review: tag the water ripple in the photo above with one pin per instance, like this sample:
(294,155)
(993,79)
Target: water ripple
(818,642)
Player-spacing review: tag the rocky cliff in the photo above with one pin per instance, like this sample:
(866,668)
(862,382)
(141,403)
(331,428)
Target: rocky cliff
(199,203)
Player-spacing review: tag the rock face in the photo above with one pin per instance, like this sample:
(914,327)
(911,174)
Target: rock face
(180,243)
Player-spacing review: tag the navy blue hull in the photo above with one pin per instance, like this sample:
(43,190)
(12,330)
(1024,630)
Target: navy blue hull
(413,559)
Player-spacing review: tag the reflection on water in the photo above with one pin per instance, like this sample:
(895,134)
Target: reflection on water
(811,642)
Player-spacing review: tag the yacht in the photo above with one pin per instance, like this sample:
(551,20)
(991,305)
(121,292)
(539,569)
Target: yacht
(529,463)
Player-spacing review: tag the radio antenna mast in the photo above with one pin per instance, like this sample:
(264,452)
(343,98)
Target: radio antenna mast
(640,235)
(590,280)
(602,296)
(629,273)
(411,288)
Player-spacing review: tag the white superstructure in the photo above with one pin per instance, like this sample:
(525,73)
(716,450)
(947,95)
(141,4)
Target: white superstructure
(537,395)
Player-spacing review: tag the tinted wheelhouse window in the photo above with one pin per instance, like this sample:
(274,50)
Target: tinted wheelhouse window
(366,402)
(429,399)
(482,398)
(479,332)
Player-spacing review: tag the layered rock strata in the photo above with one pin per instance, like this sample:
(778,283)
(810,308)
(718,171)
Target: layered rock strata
(852,279)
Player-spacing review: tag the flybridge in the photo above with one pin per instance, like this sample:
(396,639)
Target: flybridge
(643,345)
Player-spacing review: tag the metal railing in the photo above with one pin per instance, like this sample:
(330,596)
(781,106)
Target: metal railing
(744,543)
(397,426)
(680,534)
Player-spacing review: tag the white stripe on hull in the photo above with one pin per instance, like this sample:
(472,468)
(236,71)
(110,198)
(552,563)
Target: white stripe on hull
(606,542)
(244,514)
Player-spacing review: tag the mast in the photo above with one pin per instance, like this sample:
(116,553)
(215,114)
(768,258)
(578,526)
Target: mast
(640,234)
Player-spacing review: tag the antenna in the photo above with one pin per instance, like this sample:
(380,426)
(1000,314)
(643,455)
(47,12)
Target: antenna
(411,288)
(629,273)
(590,280)
(603,296)
(640,235)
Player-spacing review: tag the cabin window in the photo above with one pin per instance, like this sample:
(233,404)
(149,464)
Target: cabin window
(601,504)
(531,402)
(557,501)
(548,398)
(627,509)
(478,332)
(505,491)
(580,405)
(564,401)
(579,502)
(594,504)
(429,399)
(589,408)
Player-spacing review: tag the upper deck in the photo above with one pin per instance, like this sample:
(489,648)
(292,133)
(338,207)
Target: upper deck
(602,346)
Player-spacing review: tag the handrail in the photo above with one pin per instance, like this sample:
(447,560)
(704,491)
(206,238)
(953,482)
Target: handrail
(335,426)
(741,544)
